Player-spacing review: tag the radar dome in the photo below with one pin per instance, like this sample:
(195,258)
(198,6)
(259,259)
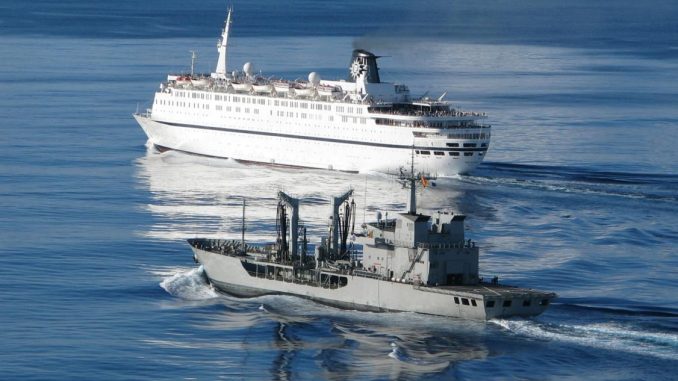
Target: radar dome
(314,78)
(248,68)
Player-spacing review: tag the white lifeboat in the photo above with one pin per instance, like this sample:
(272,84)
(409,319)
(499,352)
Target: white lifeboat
(264,88)
(327,90)
(281,86)
(241,86)
(202,81)
(302,89)
(183,80)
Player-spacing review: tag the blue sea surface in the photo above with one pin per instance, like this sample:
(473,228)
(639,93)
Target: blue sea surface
(578,193)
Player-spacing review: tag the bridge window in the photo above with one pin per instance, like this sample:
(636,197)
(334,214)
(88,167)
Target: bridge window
(507,303)
(490,304)
(464,301)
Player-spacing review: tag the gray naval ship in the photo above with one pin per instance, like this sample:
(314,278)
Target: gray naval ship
(412,262)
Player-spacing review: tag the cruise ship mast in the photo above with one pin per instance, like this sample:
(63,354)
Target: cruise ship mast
(222,46)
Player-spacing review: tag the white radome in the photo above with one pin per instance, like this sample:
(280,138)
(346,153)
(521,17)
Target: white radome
(314,78)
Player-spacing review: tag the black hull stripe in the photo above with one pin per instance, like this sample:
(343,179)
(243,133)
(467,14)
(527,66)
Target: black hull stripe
(262,163)
(317,139)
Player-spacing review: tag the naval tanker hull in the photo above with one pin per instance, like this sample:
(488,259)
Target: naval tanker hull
(228,274)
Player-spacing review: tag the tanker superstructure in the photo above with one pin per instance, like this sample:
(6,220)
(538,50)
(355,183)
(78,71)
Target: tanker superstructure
(355,125)
(413,262)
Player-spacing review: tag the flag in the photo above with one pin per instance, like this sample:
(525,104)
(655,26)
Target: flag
(424,182)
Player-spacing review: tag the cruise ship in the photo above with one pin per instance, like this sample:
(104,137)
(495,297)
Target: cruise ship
(359,124)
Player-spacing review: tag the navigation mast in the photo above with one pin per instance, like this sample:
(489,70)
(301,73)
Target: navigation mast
(194,57)
(244,250)
(409,180)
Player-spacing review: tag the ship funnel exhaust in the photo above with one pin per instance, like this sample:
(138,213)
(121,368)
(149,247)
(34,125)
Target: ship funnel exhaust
(364,64)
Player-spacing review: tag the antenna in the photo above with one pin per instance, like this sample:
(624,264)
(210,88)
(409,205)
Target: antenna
(409,180)
(413,189)
(365,200)
(243,226)
(194,57)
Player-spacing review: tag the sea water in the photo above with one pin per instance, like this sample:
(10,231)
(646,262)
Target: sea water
(578,193)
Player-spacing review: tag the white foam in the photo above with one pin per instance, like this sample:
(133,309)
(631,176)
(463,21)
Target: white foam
(189,285)
(396,353)
(601,335)
(426,364)
(561,186)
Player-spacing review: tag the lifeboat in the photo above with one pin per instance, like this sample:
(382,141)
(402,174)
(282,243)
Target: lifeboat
(182,80)
(202,81)
(241,86)
(281,86)
(302,89)
(264,88)
(327,90)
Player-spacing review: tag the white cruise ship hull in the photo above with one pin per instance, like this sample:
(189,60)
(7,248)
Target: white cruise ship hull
(381,148)
(227,274)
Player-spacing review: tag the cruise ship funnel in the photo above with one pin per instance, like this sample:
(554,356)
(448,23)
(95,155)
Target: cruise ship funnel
(364,63)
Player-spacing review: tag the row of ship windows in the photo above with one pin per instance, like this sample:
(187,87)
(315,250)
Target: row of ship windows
(426,123)
(466,145)
(477,136)
(289,114)
(469,136)
(237,109)
(490,303)
(441,153)
(275,102)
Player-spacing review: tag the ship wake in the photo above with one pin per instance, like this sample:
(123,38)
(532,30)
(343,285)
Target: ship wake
(609,336)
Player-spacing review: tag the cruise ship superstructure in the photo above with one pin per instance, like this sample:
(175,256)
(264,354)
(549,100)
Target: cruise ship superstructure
(359,124)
